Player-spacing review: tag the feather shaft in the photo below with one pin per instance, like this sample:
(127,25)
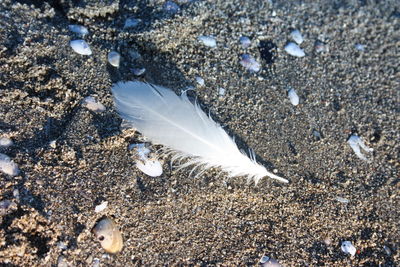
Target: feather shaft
(173,121)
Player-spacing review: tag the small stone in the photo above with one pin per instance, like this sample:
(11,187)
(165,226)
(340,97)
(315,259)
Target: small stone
(101,207)
(348,248)
(296,36)
(114,58)
(91,104)
(53,144)
(321,47)
(208,41)
(81,47)
(342,200)
(360,47)
(294,50)
(221,91)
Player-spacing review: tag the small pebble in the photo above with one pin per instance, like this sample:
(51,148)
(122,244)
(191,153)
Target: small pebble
(101,207)
(171,7)
(109,235)
(114,58)
(294,98)
(81,47)
(5,142)
(79,29)
(356,143)
(91,104)
(8,166)
(249,63)
(131,23)
(360,47)
(138,71)
(245,41)
(266,261)
(348,248)
(96,262)
(221,91)
(62,262)
(200,81)
(296,36)
(294,50)
(208,41)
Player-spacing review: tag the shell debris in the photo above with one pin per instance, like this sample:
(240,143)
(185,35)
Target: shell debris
(8,166)
(90,103)
(114,58)
(78,29)
(200,81)
(293,97)
(101,207)
(249,63)
(266,261)
(208,41)
(138,71)
(109,236)
(296,36)
(245,41)
(348,248)
(5,142)
(150,166)
(81,47)
(356,143)
(294,50)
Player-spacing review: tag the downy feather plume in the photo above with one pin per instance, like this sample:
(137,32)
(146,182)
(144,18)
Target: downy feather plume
(187,132)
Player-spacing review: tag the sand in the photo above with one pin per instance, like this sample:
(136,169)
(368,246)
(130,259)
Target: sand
(177,219)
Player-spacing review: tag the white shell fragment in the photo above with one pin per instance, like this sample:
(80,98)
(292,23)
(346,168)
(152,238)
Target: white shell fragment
(294,98)
(101,207)
(200,81)
(5,142)
(294,50)
(81,47)
(138,71)
(151,167)
(90,103)
(348,248)
(171,7)
(342,200)
(266,261)
(249,63)
(245,41)
(79,29)
(355,143)
(359,47)
(8,166)
(114,58)
(208,40)
(109,235)
(131,23)
(221,91)
(296,36)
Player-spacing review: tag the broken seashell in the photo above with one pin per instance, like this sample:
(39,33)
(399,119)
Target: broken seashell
(90,103)
(208,41)
(78,29)
(5,142)
(294,98)
(348,248)
(151,167)
(356,143)
(114,58)
(296,36)
(294,50)
(109,235)
(8,166)
(81,47)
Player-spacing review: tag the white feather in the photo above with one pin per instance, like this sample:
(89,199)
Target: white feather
(173,121)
